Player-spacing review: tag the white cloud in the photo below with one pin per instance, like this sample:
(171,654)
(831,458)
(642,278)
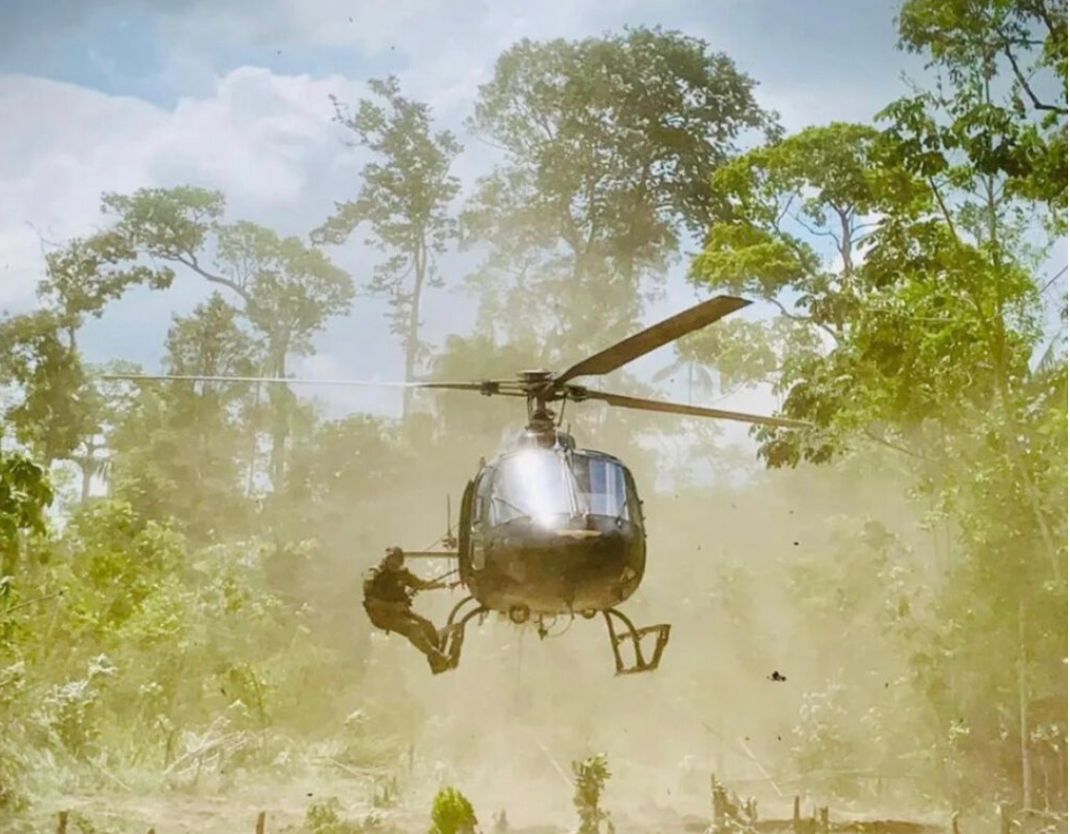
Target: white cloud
(266,141)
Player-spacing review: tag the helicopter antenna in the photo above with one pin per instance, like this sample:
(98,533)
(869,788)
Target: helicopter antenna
(449,519)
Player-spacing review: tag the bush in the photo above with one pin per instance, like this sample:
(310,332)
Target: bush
(452,813)
(591,775)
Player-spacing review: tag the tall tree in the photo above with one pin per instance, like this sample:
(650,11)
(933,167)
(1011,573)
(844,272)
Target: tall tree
(57,410)
(178,450)
(1005,105)
(992,143)
(608,145)
(404,201)
(910,255)
(287,290)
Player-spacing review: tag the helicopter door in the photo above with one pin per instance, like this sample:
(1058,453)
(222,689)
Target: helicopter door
(464,531)
(480,506)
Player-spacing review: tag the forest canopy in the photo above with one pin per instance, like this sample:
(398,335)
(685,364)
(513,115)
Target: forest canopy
(180,561)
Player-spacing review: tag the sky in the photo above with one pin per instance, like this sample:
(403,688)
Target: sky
(234,95)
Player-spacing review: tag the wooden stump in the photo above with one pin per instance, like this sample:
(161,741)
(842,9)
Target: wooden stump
(261,819)
(61,824)
(717,797)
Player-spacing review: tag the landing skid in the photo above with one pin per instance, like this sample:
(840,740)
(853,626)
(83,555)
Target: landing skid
(451,637)
(635,636)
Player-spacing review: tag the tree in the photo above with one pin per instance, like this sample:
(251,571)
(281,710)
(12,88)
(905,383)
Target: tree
(177,449)
(1015,46)
(58,413)
(53,415)
(25,494)
(287,290)
(452,813)
(608,144)
(404,199)
(920,337)
(86,274)
(590,775)
(921,295)
(700,379)
(339,465)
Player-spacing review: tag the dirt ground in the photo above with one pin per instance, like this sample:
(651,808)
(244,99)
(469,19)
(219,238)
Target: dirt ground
(285,808)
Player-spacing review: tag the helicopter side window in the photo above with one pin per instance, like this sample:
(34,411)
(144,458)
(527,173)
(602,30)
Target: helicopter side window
(532,484)
(484,483)
(602,485)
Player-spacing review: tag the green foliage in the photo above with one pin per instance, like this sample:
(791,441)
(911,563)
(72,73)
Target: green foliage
(404,200)
(25,494)
(590,775)
(287,290)
(452,813)
(608,144)
(918,325)
(179,450)
(1017,47)
(55,411)
(323,817)
(68,711)
(863,344)
(86,274)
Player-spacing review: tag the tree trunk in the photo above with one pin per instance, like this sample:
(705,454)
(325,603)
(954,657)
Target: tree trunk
(1023,710)
(86,465)
(281,401)
(9,556)
(412,335)
(250,475)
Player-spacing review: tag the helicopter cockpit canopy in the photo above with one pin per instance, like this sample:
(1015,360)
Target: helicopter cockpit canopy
(551,485)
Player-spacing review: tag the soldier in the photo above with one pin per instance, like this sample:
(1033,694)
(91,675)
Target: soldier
(388,592)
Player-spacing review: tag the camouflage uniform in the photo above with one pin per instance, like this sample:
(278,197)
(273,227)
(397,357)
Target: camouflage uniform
(388,592)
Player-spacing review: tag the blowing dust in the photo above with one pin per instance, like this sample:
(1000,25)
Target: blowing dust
(761,683)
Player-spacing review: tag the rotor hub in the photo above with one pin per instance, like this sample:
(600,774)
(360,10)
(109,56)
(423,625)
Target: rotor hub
(536,377)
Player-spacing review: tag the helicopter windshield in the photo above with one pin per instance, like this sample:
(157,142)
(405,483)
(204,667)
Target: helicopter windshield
(535,484)
(602,485)
(544,484)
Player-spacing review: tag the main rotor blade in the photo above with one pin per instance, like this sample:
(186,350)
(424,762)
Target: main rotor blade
(273,380)
(641,404)
(654,337)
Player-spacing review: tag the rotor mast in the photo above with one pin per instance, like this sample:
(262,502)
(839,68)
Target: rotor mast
(540,391)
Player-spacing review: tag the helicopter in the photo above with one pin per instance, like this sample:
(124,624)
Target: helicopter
(547,529)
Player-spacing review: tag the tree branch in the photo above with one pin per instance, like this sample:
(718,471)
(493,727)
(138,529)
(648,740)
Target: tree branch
(943,207)
(804,319)
(192,263)
(1037,103)
(895,446)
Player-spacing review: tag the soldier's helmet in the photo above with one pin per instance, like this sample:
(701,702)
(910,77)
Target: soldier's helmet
(395,557)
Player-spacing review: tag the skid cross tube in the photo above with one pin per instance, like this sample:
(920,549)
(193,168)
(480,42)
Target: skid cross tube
(456,610)
(635,635)
(452,636)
